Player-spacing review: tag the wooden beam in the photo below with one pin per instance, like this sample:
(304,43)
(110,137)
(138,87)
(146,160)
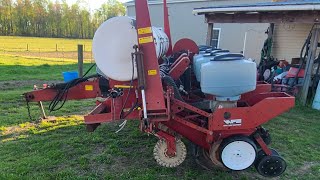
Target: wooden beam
(265,17)
(309,64)
(271,30)
(80,60)
(209,34)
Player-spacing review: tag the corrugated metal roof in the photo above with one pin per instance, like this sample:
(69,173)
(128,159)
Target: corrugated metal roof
(294,4)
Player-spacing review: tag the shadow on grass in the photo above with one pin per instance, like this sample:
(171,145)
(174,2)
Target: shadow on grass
(23,130)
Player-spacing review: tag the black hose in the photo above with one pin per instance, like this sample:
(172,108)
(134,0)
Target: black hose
(170,82)
(63,90)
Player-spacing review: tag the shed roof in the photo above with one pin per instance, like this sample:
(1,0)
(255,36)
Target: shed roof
(294,5)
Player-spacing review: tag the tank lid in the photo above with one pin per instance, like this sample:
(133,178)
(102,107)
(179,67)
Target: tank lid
(208,50)
(206,54)
(219,51)
(228,57)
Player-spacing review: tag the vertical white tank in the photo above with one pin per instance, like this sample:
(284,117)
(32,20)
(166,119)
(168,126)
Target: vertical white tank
(113,44)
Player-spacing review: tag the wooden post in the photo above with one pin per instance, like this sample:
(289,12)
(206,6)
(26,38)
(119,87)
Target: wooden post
(80,60)
(209,34)
(309,65)
(271,29)
(56,47)
(27,47)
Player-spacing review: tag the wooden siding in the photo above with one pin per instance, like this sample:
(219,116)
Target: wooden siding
(288,40)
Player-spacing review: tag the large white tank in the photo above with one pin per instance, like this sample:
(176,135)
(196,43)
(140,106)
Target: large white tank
(228,77)
(113,44)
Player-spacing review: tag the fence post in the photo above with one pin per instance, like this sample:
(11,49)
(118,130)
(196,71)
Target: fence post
(27,47)
(80,60)
(56,47)
(309,65)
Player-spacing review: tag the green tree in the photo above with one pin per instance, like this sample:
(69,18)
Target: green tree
(6,17)
(46,18)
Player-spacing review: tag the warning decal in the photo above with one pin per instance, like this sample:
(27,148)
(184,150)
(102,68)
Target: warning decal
(144,40)
(146,30)
(152,72)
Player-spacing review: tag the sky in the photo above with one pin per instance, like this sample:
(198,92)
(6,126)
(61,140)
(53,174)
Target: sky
(94,4)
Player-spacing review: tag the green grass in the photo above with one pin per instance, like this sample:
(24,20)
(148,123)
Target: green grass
(62,149)
(33,68)
(16,44)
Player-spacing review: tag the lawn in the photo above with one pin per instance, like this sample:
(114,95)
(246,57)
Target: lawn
(57,48)
(62,149)
(33,44)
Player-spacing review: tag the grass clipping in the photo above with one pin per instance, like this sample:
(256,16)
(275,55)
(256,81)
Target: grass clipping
(22,131)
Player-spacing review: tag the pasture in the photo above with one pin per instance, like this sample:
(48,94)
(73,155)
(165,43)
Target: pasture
(57,48)
(62,149)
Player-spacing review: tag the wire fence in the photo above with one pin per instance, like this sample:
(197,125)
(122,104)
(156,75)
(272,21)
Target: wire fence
(56,51)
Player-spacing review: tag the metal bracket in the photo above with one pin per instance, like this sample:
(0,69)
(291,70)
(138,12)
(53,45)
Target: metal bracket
(170,140)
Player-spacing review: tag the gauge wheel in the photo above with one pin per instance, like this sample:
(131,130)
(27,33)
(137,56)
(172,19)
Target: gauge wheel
(238,153)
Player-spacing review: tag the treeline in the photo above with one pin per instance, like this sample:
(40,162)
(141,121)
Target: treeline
(45,18)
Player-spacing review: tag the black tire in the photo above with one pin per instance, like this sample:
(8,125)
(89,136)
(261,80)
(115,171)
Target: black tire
(262,154)
(271,166)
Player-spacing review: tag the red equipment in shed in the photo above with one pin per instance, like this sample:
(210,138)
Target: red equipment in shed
(229,131)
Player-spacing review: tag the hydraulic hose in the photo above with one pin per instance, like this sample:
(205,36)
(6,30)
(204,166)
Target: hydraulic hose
(170,82)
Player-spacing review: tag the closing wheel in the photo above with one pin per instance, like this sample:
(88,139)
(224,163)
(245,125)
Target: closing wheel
(271,166)
(238,153)
(160,154)
(262,154)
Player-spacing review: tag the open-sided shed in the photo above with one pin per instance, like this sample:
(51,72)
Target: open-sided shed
(302,14)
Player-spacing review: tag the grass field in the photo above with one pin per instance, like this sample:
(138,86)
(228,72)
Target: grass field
(62,149)
(18,44)
(57,48)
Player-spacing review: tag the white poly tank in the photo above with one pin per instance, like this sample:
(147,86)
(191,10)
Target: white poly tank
(201,53)
(228,77)
(197,56)
(113,44)
(204,59)
(197,64)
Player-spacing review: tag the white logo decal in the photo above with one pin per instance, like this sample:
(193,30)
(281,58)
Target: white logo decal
(233,122)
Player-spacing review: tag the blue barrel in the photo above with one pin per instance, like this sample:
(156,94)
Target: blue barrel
(316,101)
(71,75)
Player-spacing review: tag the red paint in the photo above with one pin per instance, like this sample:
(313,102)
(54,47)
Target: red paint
(77,92)
(153,82)
(179,67)
(186,44)
(171,142)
